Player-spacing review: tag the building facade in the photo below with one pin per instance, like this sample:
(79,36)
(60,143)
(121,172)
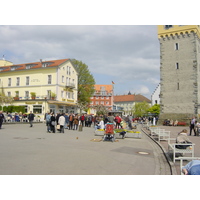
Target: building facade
(54,84)
(179,71)
(4,62)
(103,96)
(127,102)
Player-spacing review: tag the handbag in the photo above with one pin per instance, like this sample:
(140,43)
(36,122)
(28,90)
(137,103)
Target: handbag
(58,127)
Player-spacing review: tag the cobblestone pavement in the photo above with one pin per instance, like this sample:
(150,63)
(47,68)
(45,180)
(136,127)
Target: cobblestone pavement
(33,151)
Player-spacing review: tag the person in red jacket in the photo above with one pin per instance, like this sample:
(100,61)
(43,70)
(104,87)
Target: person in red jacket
(118,120)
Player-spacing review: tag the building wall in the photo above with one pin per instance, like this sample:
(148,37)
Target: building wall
(103,97)
(179,70)
(38,83)
(155,98)
(5,63)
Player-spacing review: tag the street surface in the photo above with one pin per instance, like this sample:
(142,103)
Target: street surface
(33,151)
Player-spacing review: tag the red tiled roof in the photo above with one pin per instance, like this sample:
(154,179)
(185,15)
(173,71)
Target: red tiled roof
(131,98)
(53,63)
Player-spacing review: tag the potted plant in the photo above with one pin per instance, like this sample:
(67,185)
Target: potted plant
(33,95)
(53,95)
(16,95)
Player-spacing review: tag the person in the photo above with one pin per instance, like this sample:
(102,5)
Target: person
(61,122)
(52,123)
(48,121)
(192,126)
(192,168)
(82,118)
(183,139)
(101,124)
(31,118)
(1,118)
(66,120)
(76,122)
(71,119)
(89,120)
(117,120)
(111,118)
(197,128)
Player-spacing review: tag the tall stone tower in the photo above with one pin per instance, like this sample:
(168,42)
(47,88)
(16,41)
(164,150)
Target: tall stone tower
(179,71)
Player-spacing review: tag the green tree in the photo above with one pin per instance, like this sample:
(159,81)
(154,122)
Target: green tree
(4,99)
(140,109)
(155,109)
(86,82)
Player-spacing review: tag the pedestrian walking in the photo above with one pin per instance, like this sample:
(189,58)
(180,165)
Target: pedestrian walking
(192,126)
(1,118)
(31,118)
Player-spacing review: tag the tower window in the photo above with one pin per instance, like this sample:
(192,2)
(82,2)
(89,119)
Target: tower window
(177,65)
(176,46)
(168,26)
(178,86)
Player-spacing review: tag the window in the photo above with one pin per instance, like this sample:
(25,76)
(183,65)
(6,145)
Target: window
(176,46)
(9,94)
(49,79)
(97,103)
(26,94)
(48,94)
(178,86)
(9,81)
(63,79)
(102,102)
(177,65)
(37,109)
(102,97)
(62,94)
(168,26)
(27,80)
(18,81)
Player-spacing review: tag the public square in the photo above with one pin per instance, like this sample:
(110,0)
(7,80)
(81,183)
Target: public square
(33,151)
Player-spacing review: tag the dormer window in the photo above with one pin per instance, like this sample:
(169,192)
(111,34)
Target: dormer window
(12,68)
(29,66)
(168,26)
(46,64)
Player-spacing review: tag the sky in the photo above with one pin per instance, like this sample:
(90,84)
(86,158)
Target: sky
(128,55)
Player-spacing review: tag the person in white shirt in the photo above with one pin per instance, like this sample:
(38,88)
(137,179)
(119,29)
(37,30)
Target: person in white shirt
(61,122)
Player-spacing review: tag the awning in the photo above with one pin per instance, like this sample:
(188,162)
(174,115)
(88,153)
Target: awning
(61,103)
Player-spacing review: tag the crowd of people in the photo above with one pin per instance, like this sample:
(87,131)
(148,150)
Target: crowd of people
(62,121)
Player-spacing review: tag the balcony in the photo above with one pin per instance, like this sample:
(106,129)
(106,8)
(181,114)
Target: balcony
(29,98)
(70,85)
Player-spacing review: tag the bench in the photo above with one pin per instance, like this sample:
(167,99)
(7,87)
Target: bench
(162,134)
(188,150)
(188,159)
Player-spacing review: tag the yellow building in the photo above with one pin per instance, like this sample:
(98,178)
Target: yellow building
(5,63)
(54,83)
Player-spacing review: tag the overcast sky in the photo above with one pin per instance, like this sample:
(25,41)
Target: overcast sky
(127,54)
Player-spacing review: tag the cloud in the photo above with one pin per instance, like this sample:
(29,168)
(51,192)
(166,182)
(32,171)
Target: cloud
(127,54)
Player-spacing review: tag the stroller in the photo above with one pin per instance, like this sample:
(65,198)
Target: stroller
(109,133)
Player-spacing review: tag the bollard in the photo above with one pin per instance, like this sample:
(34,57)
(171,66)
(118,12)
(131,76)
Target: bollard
(80,128)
